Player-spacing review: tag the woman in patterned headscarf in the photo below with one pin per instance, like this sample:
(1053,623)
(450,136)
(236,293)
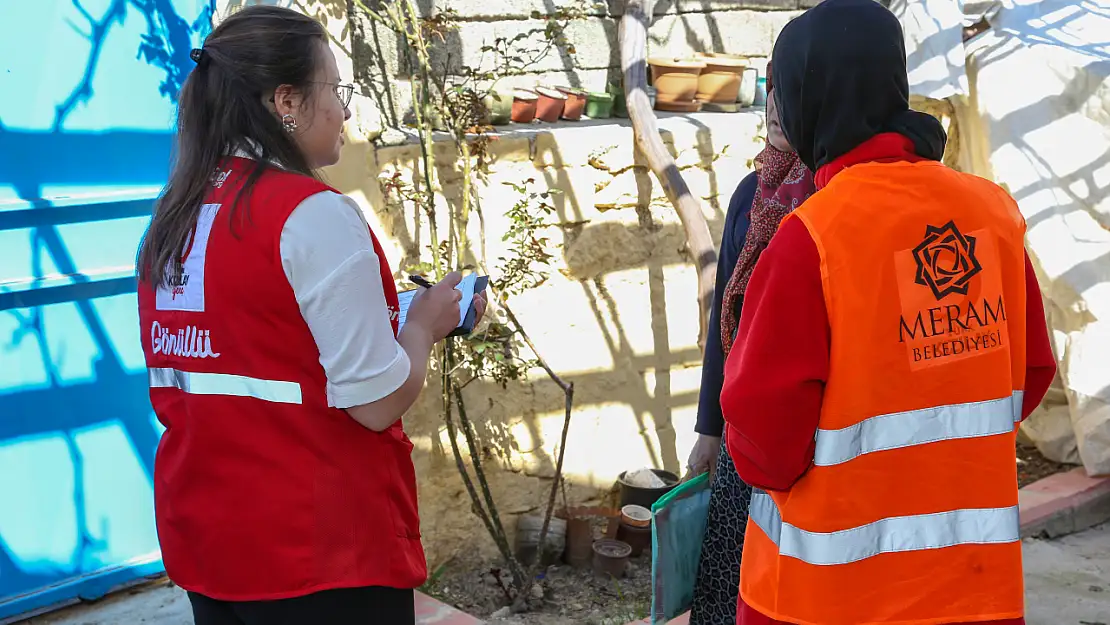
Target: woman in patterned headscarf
(780,184)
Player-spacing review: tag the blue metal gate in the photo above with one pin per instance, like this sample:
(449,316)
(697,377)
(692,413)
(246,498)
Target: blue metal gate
(87,103)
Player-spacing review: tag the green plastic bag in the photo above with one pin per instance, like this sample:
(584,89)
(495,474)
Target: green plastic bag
(677,529)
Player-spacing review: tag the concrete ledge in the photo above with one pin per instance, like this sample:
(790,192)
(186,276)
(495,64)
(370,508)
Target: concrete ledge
(1064,503)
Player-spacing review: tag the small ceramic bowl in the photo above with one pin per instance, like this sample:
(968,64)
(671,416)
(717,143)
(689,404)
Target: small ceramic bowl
(636,516)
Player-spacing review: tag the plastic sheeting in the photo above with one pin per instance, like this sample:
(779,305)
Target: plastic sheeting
(1032,108)
(1042,85)
(934,46)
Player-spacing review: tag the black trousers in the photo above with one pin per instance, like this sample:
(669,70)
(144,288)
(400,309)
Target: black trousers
(372,605)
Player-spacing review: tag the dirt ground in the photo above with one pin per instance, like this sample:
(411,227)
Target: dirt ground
(569,595)
(580,597)
(1032,466)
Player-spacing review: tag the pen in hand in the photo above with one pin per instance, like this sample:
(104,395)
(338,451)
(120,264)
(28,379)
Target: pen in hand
(420,281)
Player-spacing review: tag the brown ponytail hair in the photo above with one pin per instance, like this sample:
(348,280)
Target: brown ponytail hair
(221,109)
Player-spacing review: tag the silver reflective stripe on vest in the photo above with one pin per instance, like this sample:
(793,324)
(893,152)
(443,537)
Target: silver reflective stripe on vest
(226,384)
(917,427)
(972,526)
(1019,402)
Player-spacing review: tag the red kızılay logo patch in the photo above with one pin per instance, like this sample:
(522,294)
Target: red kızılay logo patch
(960,313)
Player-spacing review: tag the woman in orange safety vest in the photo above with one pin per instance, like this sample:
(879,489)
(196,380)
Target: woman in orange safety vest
(892,339)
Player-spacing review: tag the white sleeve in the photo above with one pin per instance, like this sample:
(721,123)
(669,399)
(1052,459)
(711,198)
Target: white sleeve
(330,262)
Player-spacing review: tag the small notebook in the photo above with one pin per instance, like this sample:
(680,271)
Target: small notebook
(470,286)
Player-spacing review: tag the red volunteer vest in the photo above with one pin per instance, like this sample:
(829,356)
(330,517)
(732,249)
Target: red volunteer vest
(261,490)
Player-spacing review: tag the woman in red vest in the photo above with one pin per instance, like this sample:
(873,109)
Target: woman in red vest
(279,360)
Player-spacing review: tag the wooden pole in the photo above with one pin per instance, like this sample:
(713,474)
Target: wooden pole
(699,243)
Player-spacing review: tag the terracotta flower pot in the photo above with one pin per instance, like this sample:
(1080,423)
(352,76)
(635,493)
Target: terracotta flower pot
(576,103)
(720,81)
(639,538)
(524,106)
(550,105)
(723,55)
(676,82)
(580,532)
(599,105)
(611,557)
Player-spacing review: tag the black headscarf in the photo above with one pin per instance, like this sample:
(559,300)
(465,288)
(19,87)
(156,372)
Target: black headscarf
(840,79)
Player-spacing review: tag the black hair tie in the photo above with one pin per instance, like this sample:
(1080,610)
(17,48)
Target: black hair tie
(198,55)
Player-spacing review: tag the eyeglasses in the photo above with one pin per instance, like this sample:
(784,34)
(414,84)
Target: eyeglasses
(342,91)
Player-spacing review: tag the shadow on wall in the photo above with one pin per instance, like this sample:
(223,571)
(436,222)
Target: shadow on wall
(600,252)
(83,152)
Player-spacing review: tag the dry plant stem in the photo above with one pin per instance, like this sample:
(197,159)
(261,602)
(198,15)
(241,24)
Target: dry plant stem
(489,514)
(476,505)
(423,110)
(633,46)
(402,17)
(475,456)
(427,157)
(568,394)
(464,209)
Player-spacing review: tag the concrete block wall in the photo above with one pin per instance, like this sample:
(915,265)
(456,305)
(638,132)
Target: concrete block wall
(680,28)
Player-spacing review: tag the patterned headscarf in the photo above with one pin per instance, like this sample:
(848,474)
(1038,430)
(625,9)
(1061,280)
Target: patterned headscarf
(784,183)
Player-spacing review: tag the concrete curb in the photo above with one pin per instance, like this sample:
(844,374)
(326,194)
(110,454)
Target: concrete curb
(1064,503)
(1059,504)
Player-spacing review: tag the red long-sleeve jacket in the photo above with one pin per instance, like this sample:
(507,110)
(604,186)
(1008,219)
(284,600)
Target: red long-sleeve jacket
(771,399)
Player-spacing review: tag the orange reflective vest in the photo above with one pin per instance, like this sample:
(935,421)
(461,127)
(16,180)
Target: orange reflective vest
(909,513)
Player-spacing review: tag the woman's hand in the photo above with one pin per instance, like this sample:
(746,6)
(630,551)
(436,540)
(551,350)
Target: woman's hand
(436,310)
(703,457)
(432,315)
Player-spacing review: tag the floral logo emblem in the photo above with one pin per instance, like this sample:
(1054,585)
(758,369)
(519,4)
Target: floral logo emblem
(946,260)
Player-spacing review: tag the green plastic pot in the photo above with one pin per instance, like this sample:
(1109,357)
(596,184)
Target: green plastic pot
(499,106)
(599,105)
(620,108)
